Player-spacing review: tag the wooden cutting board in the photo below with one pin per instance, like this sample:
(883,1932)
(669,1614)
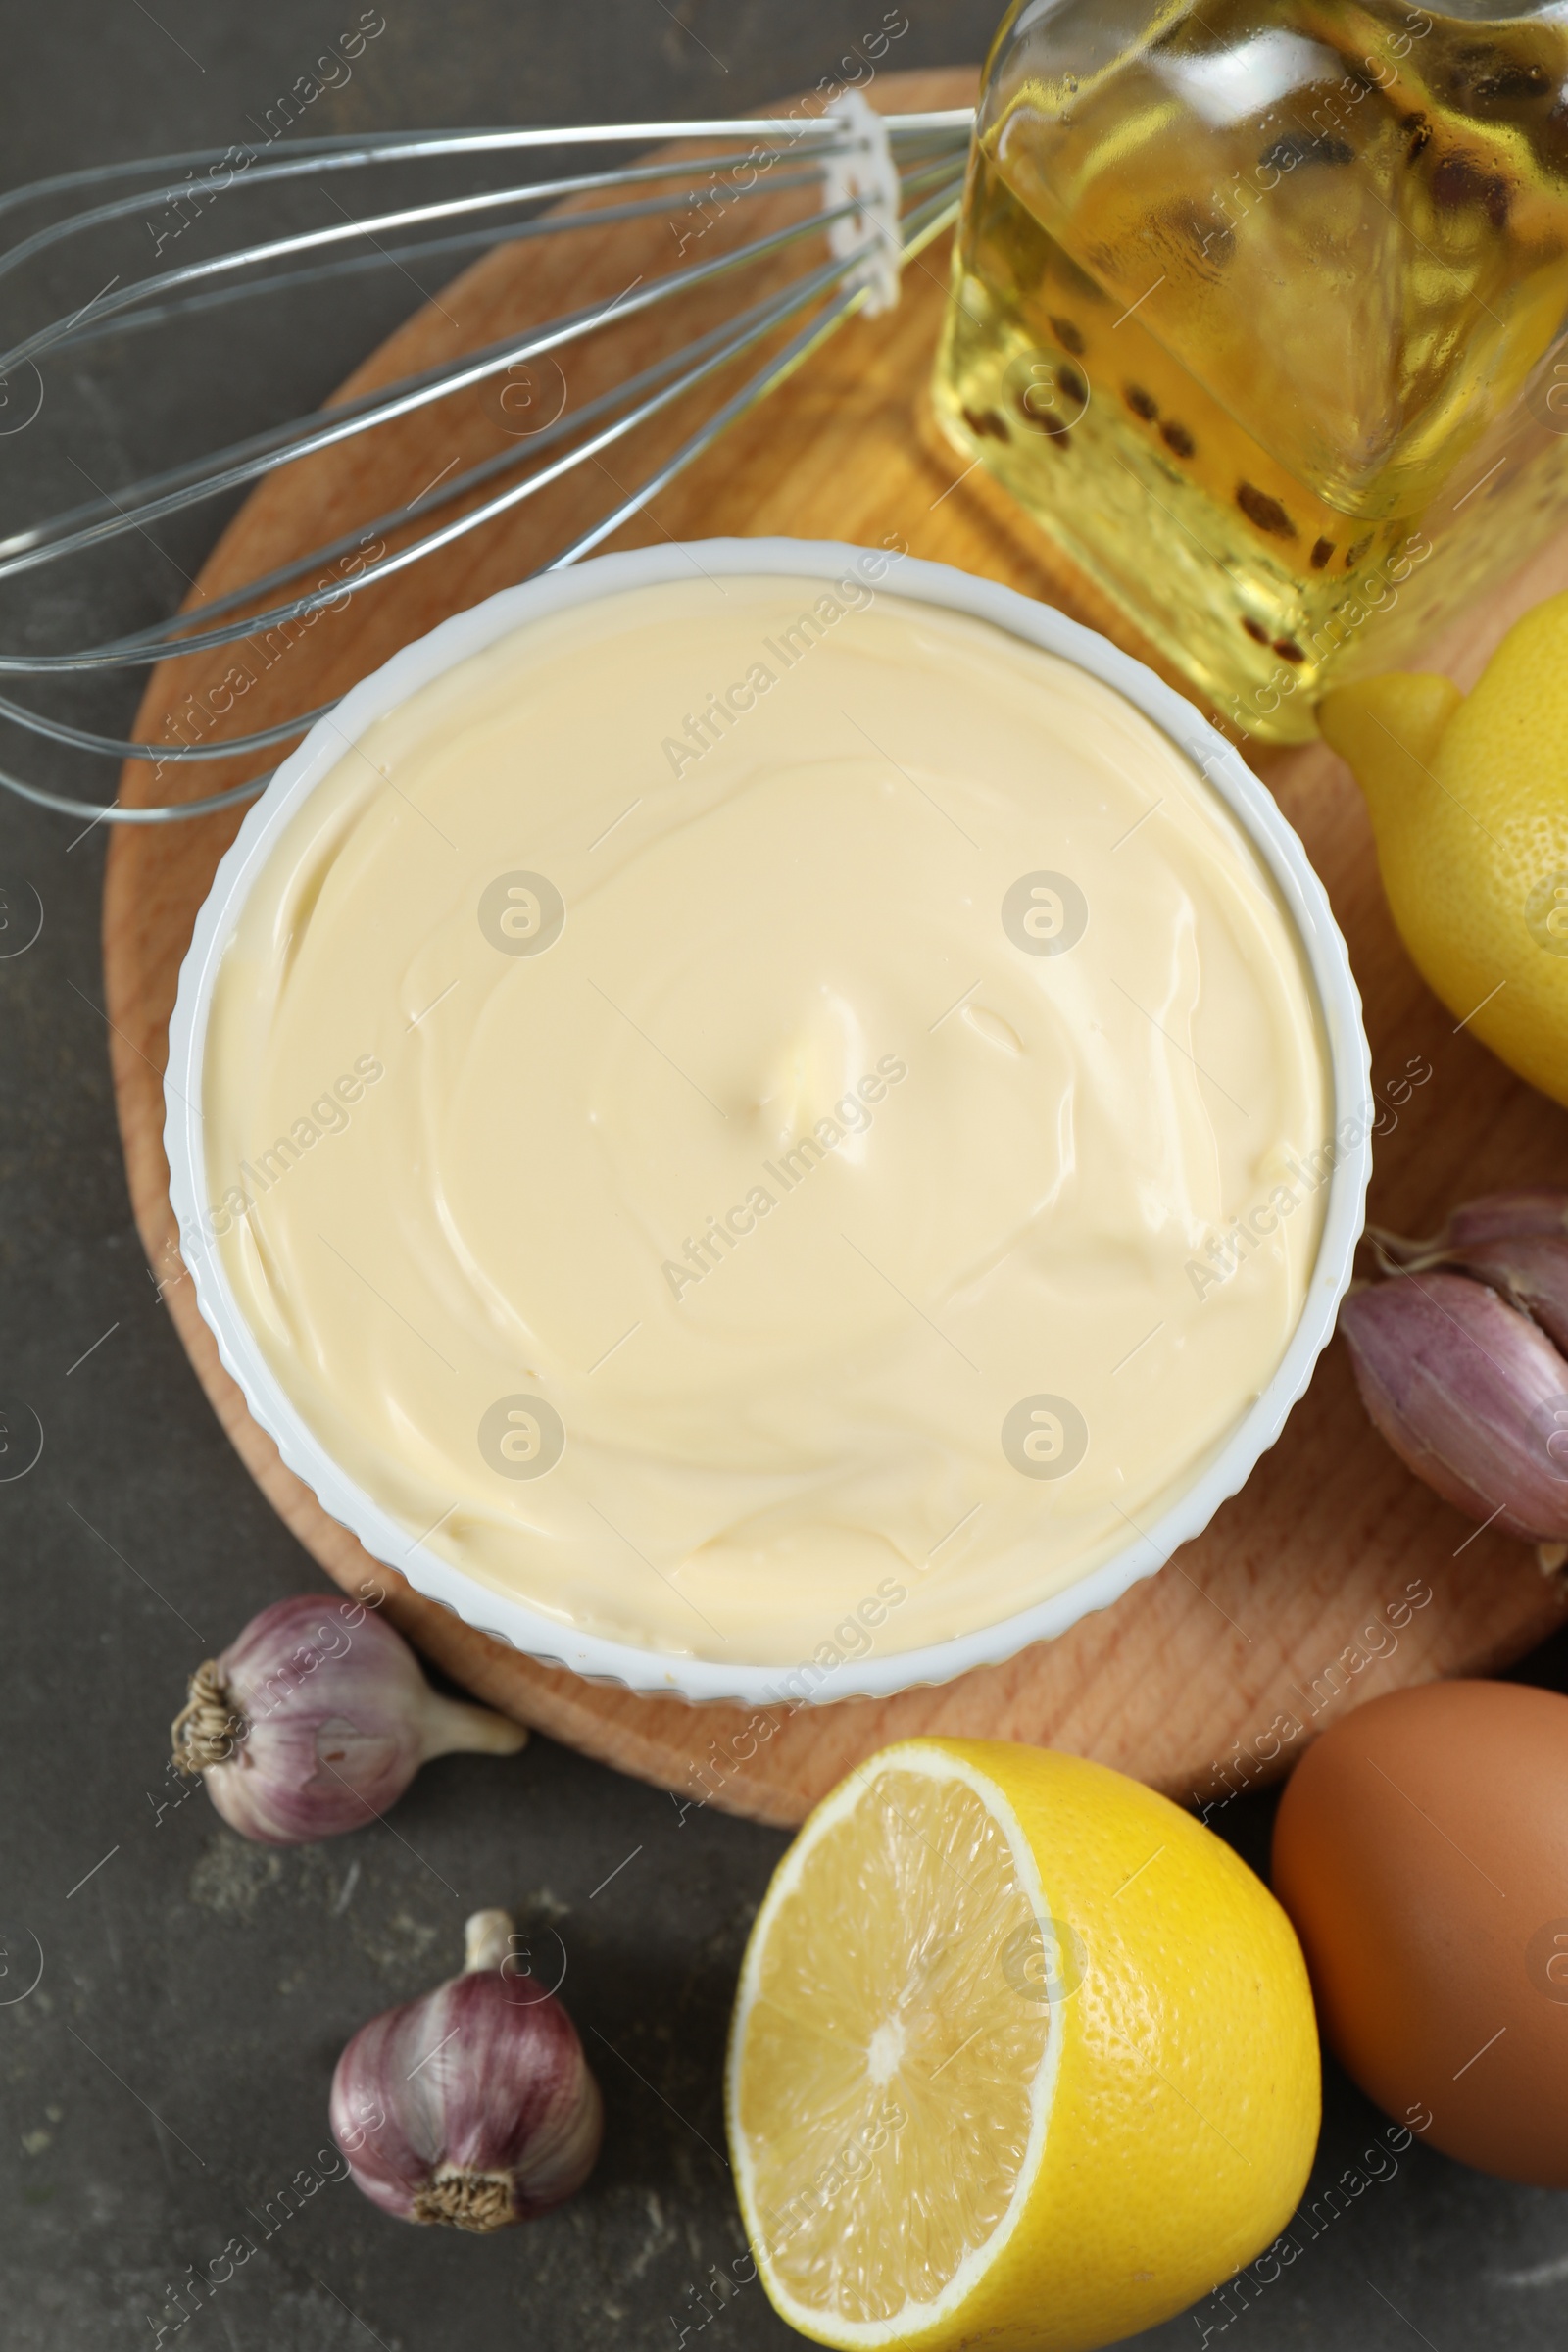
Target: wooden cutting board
(1334,1575)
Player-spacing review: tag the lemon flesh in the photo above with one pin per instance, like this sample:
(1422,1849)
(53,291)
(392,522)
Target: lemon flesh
(881,2024)
(1021,2055)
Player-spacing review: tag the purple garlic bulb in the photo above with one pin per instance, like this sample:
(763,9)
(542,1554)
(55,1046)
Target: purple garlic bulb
(316,1719)
(474,2106)
(1529,1270)
(1501,1216)
(1538,1210)
(1467,1388)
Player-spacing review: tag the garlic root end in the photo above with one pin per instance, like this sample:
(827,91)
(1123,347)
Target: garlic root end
(467,2200)
(205,1730)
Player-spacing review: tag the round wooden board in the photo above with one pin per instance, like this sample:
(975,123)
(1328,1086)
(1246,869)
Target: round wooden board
(1305,1595)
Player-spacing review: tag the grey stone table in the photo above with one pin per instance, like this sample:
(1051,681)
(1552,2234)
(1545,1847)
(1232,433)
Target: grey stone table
(164,2083)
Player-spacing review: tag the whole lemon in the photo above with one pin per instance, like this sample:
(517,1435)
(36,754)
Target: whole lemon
(1022,2056)
(1468,796)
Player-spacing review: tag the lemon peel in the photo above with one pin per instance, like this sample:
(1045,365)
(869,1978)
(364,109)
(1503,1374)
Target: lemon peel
(1468,797)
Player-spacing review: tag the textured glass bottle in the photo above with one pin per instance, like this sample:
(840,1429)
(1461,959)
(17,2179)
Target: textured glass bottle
(1259,311)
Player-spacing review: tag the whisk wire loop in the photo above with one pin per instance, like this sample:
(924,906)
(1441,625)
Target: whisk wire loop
(889,185)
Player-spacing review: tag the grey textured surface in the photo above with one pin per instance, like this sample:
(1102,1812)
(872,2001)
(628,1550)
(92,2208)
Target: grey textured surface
(166,2077)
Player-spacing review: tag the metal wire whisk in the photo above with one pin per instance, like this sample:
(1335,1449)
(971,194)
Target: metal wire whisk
(889,184)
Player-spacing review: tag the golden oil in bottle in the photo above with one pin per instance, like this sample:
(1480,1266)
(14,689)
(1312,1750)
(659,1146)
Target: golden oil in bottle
(1260,316)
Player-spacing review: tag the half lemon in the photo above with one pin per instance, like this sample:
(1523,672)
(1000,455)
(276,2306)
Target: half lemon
(1022,2055)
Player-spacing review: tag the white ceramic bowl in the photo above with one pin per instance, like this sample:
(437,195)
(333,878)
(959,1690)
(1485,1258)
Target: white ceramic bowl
(512,1621)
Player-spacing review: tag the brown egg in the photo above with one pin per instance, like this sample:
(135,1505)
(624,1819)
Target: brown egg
(1421,1850)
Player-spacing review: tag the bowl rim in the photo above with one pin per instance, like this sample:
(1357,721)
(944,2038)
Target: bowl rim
(514,1623)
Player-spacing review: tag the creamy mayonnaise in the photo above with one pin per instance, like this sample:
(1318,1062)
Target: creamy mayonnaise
(764,1119)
